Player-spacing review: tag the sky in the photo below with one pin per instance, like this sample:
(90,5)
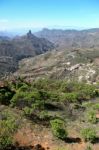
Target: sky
(27,14)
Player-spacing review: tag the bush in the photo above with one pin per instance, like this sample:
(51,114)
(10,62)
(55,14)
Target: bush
(96,107)
(5,95)
(84,91)
(24,88)
(8,126)
(68,87)
(91,116)
(83,96)
(5,139)
(22,99)
(89,90)
(18,100)
(53,96)
(27,111)
(70,97)
(44,115)
(58,128)
(88,134)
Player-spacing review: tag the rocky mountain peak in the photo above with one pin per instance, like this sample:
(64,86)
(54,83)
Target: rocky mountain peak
(29,34)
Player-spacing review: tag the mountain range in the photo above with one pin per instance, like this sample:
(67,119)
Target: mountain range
(62,54)
(72,39)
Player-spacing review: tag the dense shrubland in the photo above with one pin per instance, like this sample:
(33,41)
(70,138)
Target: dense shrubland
(39,99)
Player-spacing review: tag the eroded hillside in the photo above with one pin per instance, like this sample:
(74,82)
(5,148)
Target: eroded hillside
(79,65)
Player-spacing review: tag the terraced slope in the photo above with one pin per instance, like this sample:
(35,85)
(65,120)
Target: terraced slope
(80,65)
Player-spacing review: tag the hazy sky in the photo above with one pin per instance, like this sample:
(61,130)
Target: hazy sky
(48,13)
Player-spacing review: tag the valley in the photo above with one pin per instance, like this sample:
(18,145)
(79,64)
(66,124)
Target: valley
(49,91)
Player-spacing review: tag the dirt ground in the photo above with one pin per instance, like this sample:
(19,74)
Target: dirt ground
(34,134)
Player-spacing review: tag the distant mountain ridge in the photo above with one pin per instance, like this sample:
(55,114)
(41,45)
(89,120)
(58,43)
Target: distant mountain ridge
(71,39)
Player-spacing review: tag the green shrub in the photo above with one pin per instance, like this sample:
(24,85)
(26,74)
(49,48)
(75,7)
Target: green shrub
(70,97)
(5,95)
(87,104)
(8,125)
(22,99)
(24,88)
(19,83)
(44,115)
(96,107)
(91,116)
(18,100)
(27,111)
(84,91)
(88,134)
(89,90)
(53,96)
(68,87)
(58,128)
(5,139)
(83,96)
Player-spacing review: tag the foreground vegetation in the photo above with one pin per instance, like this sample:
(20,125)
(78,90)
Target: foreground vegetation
(45,102)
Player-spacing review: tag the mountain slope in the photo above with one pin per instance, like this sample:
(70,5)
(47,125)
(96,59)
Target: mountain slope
(22,47)
(71,39)
(28,45)
(79,65)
